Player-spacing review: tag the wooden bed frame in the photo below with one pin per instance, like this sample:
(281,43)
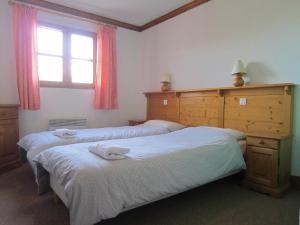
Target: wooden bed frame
(263,112)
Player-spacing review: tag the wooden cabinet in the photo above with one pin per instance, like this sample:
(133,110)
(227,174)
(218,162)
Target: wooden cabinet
(268,161)
(135,122)
(262,163)
(9,135)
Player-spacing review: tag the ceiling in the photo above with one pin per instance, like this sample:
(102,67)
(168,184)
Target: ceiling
(137,12)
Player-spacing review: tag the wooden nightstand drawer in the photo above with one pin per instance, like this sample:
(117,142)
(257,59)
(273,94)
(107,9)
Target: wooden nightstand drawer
(263,142)
(8,113)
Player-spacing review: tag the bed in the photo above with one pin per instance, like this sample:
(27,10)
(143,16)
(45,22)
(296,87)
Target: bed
(157,167)
(35,143)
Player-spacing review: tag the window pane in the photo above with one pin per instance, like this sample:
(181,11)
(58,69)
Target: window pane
(50,41)
(81,46)
(50,68)
(82,71)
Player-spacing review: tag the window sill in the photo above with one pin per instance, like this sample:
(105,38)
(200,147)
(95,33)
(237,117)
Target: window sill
(50,84)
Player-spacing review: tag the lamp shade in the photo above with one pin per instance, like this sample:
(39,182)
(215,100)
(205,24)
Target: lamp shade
(166,78)
(238,67)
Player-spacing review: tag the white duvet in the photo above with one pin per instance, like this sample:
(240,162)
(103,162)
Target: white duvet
(38,142)
(157,166)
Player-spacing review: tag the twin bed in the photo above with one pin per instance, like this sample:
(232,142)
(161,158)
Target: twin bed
(33,144)
(164,159)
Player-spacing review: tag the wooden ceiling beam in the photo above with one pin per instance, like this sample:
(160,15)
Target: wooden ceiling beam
(103,19)
(173,13)
(79,13)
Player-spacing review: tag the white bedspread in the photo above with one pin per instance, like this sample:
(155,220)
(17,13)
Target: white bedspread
(38,142)
(158,166)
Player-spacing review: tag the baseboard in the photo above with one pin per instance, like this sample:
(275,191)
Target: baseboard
(10,166)
(295,181)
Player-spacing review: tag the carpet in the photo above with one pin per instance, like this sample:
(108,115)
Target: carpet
(220,203)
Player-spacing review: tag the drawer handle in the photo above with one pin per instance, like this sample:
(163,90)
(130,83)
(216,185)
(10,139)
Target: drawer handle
(261,142)
(3,114)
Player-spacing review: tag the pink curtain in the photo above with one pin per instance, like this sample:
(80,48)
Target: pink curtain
(25,27)
(106,96)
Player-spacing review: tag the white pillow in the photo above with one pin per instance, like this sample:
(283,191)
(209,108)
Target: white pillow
(171,126)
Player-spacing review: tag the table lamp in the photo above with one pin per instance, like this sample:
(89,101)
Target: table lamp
(166,82)
(238,72)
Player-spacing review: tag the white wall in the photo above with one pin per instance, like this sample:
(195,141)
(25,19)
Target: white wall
(75,103)
(199,47)
(8,79)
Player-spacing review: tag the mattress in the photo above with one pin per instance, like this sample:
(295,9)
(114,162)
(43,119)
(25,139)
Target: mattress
(59,189)
(157,166)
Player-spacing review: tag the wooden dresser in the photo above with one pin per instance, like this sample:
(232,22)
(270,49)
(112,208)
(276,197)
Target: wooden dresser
(9,135)
(268,162)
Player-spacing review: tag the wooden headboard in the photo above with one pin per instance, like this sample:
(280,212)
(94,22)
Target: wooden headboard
(267,109)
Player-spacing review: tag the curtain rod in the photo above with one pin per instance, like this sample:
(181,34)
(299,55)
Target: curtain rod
(51,11)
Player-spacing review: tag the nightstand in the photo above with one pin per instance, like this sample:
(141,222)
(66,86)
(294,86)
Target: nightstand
(135,122)
(268,161)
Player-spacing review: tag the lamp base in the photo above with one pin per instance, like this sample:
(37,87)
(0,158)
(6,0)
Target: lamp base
(238,80)
(165,86)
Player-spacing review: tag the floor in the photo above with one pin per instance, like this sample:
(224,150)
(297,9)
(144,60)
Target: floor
(219,203)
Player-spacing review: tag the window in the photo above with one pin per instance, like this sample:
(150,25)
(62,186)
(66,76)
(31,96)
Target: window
(66,57)
(82,59)
(50,54)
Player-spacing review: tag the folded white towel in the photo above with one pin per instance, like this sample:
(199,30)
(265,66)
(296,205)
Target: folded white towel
(109,152)
(64,133)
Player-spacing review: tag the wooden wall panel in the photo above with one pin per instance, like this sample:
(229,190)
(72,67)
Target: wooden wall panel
(199,110)
(262,114)
(157,110)
(268,110)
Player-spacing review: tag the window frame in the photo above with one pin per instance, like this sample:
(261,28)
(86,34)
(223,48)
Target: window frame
(67,58)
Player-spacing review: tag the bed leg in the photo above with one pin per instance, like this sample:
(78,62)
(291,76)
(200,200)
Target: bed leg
(56,198)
